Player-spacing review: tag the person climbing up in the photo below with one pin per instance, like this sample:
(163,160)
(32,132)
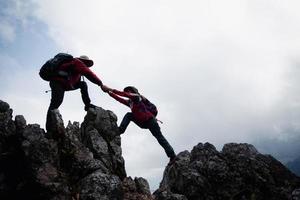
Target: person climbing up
(67,77)
(143,113)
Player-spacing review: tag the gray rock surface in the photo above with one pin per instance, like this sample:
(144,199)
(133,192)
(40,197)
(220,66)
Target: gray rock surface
(74,162)
(85,162)
(239,171)
(137,189)
(296,194)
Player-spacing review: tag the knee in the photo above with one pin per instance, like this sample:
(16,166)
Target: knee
(128,115)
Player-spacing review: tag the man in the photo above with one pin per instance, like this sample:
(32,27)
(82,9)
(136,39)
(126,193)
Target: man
(141,115)
(69,78)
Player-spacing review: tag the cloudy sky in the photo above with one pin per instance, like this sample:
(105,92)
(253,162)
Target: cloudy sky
(219,71)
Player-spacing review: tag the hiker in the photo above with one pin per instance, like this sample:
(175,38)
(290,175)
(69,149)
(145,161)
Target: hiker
(69,78)
(143,113)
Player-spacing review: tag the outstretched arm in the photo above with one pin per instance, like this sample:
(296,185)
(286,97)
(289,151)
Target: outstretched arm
(118,98)
(85,71)
(129,95)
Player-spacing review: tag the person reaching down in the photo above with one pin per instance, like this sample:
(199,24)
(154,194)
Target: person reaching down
(68,78)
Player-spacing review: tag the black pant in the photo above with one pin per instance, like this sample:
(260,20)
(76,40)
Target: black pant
(154,128)
(57,97)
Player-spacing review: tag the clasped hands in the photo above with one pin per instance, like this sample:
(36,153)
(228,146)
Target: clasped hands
(106,89)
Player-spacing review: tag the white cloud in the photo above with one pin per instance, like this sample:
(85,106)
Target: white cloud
(14,14)
(18,10)
(216,69)
(7,32)
(22,90)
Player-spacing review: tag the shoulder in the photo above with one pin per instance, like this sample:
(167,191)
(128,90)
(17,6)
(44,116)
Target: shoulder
(136,98)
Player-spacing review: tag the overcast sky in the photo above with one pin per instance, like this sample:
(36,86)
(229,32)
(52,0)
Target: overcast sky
(219,71)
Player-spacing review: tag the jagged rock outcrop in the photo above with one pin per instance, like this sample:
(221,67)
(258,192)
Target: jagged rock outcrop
(75,162)
(239,171)
(85,162)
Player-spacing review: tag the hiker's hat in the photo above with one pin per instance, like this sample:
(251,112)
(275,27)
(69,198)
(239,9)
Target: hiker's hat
(132,89)
(86,60)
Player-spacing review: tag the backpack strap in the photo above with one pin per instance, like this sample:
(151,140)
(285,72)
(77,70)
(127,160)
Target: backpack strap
(159,121)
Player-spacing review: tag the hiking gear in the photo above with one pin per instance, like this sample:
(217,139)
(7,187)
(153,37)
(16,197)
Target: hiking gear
(154,128)
(131,89)
(138,109)
(86,60)
(84,92)
(57,96)
(76,69)
(159,121)
(141,107)
(156,132)
(150,106)
(128,117)
(51,68)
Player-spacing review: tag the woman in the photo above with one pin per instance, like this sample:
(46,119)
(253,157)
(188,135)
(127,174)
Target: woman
(142,114)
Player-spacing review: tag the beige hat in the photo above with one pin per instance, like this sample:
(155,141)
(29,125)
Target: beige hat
(86,60)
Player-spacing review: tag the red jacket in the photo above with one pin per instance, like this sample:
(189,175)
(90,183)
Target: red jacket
(138,109)
(75,69)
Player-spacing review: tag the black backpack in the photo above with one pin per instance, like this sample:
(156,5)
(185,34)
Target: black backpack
(50,68)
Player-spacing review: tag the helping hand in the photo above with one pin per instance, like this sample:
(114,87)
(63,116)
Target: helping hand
(106,88)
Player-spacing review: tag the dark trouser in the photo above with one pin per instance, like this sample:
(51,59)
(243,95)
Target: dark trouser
(57,97)
(154,128)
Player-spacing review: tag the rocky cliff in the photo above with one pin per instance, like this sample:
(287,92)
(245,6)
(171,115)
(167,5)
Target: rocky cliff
(77,162)
(238,172)
(85,162)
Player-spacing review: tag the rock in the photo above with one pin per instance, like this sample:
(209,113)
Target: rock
(137,189)
(20,123)
(78,160)
(100,135)
(74,162)
(103,121)
(7,126)
(129,185)
(57,128)
(167,195)
(142,186)
(239,171)
(234,149)
(100,186)
(3,106)
(85,162)
(296,194)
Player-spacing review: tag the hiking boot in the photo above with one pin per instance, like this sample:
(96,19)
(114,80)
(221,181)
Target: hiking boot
(87,107)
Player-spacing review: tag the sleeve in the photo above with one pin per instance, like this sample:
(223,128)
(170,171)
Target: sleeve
(131,96)
(81,68)
(119,99)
